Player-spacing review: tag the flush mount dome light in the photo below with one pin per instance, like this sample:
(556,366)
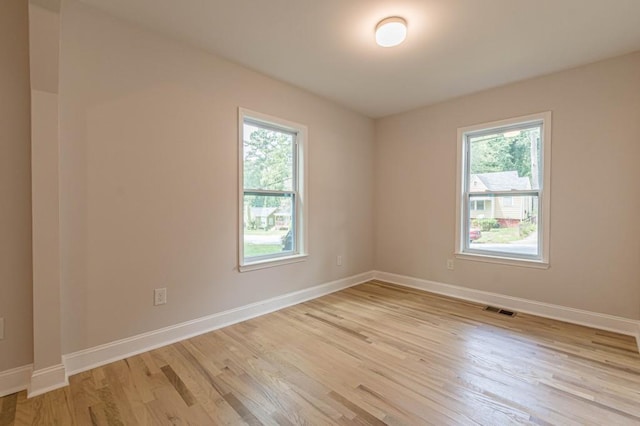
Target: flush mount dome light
(391,31)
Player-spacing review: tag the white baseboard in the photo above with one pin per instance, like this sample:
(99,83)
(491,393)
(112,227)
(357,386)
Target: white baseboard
(15,380)
(562,313)
(47,379)
(87,359)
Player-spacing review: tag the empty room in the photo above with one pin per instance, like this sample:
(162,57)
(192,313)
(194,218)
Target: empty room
(288,212)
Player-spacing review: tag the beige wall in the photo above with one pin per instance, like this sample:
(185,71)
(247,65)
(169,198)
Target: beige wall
(44,35)
(15,186)
(149,181)
(46,229)
(595,243)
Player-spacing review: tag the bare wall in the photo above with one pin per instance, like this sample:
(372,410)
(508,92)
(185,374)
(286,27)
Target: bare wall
(15,186)
(595,230)
(149,185)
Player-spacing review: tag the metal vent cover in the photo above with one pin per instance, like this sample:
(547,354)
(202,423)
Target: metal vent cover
(500,311)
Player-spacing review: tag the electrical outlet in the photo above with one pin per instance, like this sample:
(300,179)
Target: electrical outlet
(450,264)
(159,296)
(339,260)
(1,328)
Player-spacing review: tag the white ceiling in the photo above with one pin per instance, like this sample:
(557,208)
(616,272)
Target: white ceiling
(454,47)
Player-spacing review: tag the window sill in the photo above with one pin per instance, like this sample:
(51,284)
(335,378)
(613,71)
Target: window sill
(525,263)
(270,263)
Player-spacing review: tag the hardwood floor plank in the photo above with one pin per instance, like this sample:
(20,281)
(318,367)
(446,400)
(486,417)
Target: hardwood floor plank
(179,385)
(125,396)
(140,384)
(203,386)
(360,413)
(25,410)
(168,408)
(83,396)
(8,410)
(109,407)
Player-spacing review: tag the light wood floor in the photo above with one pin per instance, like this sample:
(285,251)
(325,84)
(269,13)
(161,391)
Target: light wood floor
(372,354)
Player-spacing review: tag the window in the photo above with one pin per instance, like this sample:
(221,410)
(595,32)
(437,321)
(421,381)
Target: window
(477,205)
(503,191)
(272,203)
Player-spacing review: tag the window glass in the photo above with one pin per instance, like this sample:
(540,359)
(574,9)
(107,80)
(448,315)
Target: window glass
(268,158)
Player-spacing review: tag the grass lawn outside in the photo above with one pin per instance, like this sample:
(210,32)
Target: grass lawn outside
(259,242)
(261,249)
(500,236)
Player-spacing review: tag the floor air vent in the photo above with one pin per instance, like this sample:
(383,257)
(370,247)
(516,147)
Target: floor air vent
(500,311)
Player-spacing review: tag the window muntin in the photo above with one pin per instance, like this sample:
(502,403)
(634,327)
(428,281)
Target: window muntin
(271,219)
(503,170)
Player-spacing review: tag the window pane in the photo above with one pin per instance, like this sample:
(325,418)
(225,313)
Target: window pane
(268,225)
(505,160)
(268,159)
(503,226)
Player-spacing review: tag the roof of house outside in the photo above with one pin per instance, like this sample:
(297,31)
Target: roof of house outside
(504,181)
(262,211)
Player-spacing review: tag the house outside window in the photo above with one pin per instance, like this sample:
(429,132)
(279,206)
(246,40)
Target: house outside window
(503,191)
(272,191)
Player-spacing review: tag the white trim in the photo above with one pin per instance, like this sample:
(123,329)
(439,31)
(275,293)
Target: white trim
(47,379)
(87,359)
(15,380)
(270,263)
(474,257)
(562,313)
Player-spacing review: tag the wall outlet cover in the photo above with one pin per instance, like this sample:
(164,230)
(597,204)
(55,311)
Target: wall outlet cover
(159,296)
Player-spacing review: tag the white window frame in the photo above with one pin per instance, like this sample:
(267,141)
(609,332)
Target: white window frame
(544,194)
(300,189)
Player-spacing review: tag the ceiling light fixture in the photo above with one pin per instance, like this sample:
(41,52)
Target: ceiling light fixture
(391,31)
